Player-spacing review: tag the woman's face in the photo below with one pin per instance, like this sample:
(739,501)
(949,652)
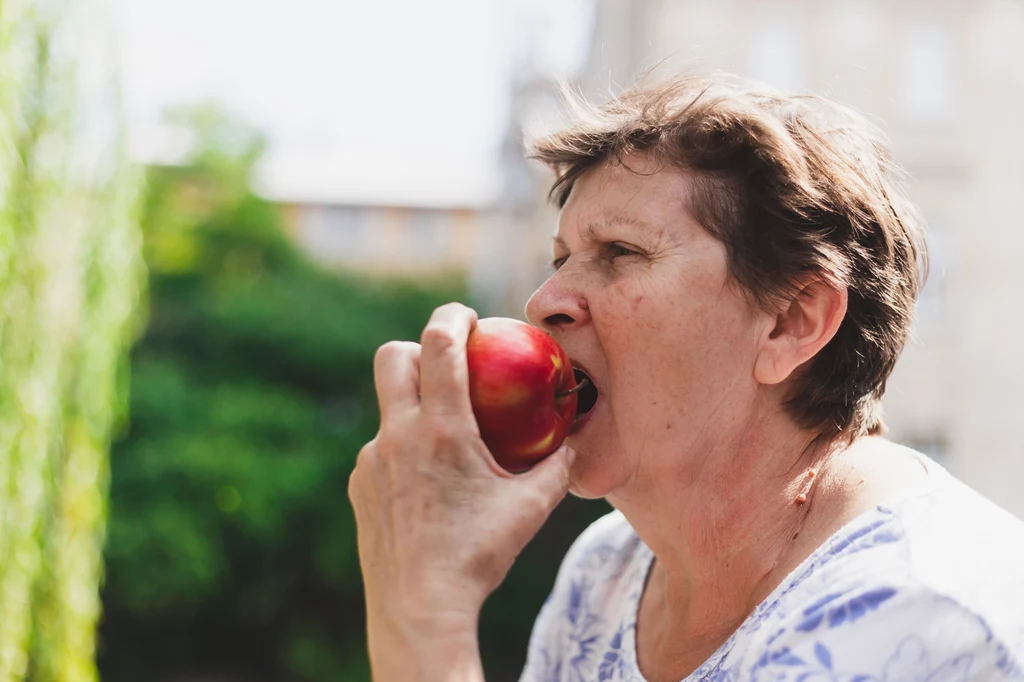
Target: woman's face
(642,302)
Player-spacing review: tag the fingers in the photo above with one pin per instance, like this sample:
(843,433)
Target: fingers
(396,374)
(548,481)
(444,380)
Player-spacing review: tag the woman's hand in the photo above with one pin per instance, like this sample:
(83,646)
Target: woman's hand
(439,522)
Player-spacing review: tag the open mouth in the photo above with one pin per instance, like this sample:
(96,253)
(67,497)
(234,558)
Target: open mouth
(588,394)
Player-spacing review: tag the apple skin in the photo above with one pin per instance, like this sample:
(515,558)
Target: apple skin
(519,378)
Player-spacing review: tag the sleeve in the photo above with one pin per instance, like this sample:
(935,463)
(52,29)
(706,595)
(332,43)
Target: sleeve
(884,634)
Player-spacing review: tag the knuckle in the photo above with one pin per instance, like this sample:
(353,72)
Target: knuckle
(368,454)
(438,338)
(534,501)
(353,485)
(463,310)
(453,307)
(444,436)
(398,429)
(387,350)
(384,357)
(541,499)
(391,352)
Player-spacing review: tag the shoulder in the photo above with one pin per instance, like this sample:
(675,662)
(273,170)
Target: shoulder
(929,588)
(945,539)
(967,549)
(887,632)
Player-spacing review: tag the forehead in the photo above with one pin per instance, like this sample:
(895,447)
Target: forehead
(638,193)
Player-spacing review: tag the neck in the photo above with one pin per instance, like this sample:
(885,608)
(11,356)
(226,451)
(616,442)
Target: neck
(726,524)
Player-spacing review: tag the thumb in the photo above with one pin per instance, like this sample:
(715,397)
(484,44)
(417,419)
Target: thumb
(549,479)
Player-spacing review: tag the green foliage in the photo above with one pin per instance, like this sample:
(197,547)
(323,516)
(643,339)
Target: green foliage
(231,542)
(232,547)
(70,269)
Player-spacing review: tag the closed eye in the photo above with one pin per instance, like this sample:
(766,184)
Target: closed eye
(616,250)
(612,250)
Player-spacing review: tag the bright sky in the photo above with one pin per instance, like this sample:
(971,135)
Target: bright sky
(377,100)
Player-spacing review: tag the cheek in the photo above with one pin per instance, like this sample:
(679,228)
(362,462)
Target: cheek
(632,304)
(643,337)
(647,309)
(672,341)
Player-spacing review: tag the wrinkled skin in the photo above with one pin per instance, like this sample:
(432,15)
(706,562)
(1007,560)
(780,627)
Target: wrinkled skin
(440,523)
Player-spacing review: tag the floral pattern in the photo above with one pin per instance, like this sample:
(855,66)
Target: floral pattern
(852,612)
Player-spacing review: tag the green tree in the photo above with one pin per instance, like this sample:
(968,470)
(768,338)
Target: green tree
(70,275)
(231,544)
(232,548)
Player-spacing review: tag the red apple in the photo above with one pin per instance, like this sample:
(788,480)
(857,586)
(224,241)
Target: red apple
(521,385)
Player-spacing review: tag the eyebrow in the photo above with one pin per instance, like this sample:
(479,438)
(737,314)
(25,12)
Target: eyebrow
(591,228)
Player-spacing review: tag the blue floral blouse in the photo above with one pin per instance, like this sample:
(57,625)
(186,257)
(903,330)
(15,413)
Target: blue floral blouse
(929,589)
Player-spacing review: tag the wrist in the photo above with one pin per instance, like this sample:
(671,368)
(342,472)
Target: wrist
(442,648)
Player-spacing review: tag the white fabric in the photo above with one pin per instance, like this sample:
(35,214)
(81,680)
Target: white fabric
(929,589)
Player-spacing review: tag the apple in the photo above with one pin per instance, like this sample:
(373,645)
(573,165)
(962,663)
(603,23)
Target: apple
(523,391)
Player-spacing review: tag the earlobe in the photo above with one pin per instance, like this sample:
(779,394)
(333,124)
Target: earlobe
(770,367)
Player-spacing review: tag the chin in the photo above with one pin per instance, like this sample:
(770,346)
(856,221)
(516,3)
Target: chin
(582,492)
(594,474)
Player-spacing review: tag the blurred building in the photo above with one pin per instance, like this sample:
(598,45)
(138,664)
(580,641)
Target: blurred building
(478,243)
(387,239)
(945,80)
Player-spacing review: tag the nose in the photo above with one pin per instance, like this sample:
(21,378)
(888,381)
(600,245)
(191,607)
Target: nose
(558,304)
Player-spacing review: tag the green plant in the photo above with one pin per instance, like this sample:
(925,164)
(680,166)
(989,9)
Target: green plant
(70,276)
(232,548)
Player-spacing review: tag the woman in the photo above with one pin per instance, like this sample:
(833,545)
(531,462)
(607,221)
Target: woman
(735,271)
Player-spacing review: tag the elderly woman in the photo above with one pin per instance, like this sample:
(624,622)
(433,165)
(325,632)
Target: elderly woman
(735,271)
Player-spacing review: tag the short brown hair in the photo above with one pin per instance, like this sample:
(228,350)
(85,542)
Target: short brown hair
(795,187)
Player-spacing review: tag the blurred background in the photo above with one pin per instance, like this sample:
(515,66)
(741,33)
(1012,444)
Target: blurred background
(214,211)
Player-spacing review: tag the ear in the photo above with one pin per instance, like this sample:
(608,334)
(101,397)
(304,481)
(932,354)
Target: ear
(801,329)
